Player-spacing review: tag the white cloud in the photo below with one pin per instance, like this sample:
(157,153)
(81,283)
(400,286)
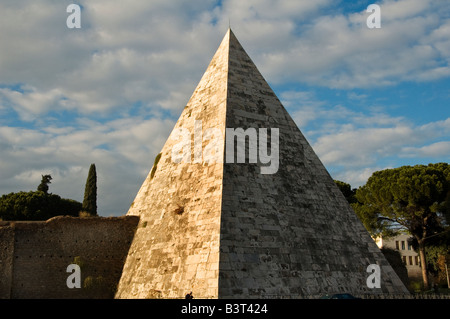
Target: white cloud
(124,52)
(153,53)
(339,50)
(353,143)
(123,151)
(358,176)
(351,153)
(438,149)
(31,103)
(321,117)
(402,9)
(363,147)
(304,106)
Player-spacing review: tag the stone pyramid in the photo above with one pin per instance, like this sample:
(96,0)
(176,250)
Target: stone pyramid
(265,226)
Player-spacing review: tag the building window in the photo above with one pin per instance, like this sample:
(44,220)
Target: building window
(416,259)
(410,260)
(396,245)
(404,259)
(409,245)
(403,245)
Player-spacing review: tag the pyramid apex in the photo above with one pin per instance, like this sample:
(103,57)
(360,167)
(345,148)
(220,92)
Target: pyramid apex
(228,34)
(230,31)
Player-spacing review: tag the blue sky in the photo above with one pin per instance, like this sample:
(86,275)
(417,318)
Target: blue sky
(110,92)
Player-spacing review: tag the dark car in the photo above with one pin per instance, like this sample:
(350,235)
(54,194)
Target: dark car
(339,296)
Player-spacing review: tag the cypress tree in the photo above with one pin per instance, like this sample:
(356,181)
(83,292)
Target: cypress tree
(90,192)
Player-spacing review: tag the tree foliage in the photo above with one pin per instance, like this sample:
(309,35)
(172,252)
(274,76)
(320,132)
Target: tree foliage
(415,198)
(412,198)
(347,191)
(36,206)
(90,192)
(437,257)
(43,186)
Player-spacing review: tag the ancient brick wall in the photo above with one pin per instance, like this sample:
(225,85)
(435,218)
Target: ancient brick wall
(6,258)
(35,256)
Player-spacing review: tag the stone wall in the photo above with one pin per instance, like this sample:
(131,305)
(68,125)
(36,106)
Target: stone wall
(34,256)
(6,260)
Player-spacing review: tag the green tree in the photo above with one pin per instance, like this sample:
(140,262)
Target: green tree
(395,260)
(412,198)
(36,206)
(43,186)
(90,192)
(437,254)
(347,191)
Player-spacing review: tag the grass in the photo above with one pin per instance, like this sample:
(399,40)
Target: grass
(155,165)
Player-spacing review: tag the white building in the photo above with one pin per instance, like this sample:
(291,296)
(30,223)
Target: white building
(410,258)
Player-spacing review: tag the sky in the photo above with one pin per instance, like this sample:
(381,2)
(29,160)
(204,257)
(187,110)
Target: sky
(111,91)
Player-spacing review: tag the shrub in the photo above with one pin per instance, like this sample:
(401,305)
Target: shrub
(155,164)
(36,206)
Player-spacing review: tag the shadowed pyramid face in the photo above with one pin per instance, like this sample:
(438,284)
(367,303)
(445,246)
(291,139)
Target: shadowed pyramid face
(237,204)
